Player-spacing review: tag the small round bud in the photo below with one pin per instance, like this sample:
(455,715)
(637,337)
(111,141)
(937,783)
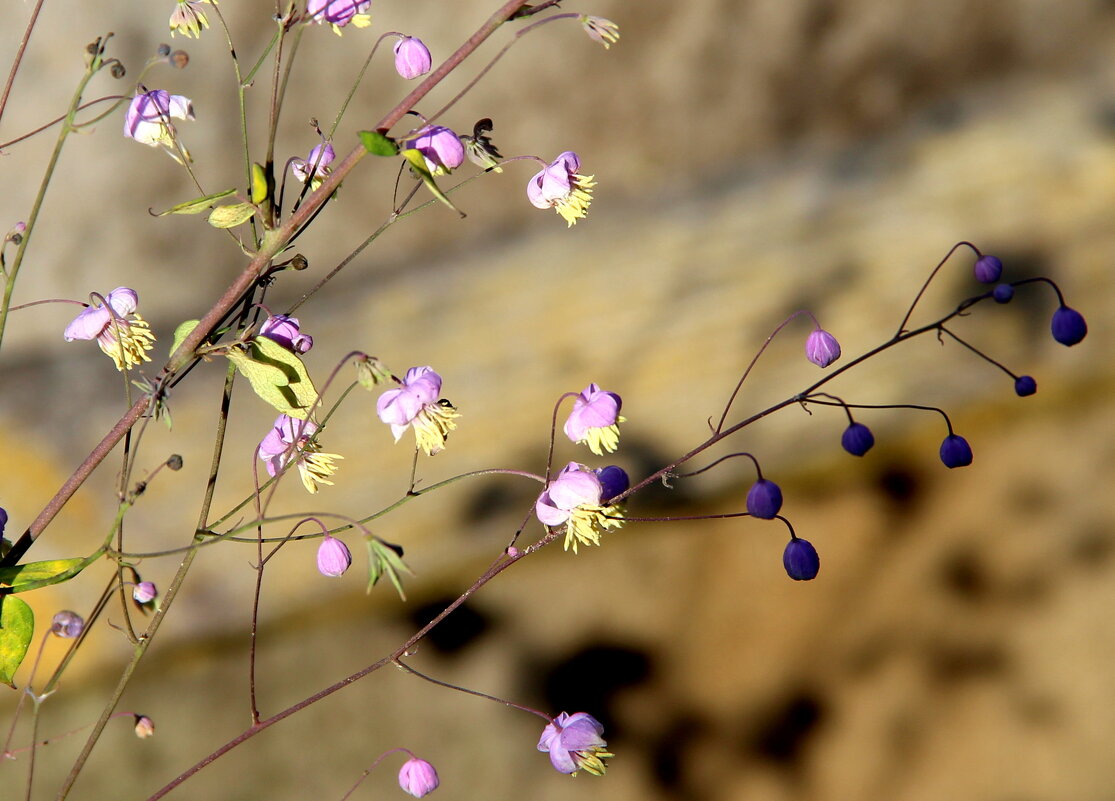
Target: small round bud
(801,560)
(418,777)
(1025,385)
(117,70)
(179,59)
(67,624)
(3,519)
(613,482)
(1068,326)
(299,262)
(857,439)
(1002,293)
(513,552)
(145,592)
(333,557)
(821,348)
(145,727)
(174,462)
(163,50)
(988,269)
(955,451)
(764,499)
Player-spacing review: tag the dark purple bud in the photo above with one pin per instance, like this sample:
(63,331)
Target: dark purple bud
(955,451)
(857,439)
(764,499)
(1068,326)
(988,269)
(613,481)
(1025,385)
(3,519)
(801,560)
(1003,293)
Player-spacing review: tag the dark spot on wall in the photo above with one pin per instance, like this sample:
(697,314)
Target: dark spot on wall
(781,734)
(670,750)
(1092,547)
(900,486)
(460,629)
(954,662)
(964,576)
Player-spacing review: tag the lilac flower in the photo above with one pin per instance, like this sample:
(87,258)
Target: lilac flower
(67,625)
(416,404)
(148,117)
(314,167)
(122,334)
(333,557)
(440,147)
(574,499)
(339,13)
(187,19)
(801,560)
(821,347)
(418,777)
(562,188)
(286,331)
(764,499)
(594,418)
(145,592)
(290,439)
(412,58)
(600,30)
(574,743)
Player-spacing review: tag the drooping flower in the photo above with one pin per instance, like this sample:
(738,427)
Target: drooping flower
(1068,326)
(574,743)
(574,499)
(287,332)
(955,451)
(187,19)
(600,30)
(562,188)
(479,147)
(123,335)
(339,13)
(418,777)
(857,439)
(67,625)
(801,560)
(821,347)
(440,147)
(764,499)
(144,592)
(333,557)
(594,418)
(416,404)
(144,727)
(291,439)
(314,167)
(1025,385)
(148,118)
(371,372)
(412,58)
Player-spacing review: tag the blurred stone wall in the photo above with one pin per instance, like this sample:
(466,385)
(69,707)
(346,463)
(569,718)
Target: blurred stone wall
(753,158)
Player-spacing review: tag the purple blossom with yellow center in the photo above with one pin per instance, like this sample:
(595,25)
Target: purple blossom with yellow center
(418,777)
(287,332)
(188,19)
(314,167)
(412,58)
(415,404)
(574,743)
(573,499)
(560,187)
(292,440)
(148,119)
(441,148)
(594,419)
(123,335)
(339,13)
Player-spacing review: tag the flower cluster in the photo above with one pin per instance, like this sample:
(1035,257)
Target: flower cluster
(415,404)
(123,335)
(576,499)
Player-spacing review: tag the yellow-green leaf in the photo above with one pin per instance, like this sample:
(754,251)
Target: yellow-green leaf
(418,164)
(17,624)
(181,332)
(197,205)
(259,184)
(378,144)
(39,571)
(277,375)
(231,216)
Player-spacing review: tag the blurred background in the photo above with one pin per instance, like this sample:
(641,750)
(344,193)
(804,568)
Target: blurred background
(753,158)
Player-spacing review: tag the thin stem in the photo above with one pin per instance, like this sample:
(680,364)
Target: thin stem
(932,275)
(403,665)
(18,60)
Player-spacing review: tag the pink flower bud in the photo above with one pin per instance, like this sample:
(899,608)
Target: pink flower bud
(144,592)
(67,625)
(333,557)
(145,727)
(412,58)
(418,777)
(821,348)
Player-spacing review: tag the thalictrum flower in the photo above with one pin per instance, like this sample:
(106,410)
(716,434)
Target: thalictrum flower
(287,332)
(600,30)
(857,439)
(187,19)
(148,118)
(594,418)
(144,727)
(821,348)
(145,592)
(955,451)
(290,439)
(1002,293)
(122,334)
(479,147)
(562,188)
(764,499)
(574,743)
(1025,385)
(801,560)
(440,147)
(412,58)
(418,777)
(340,13)
(988,269)
(333,557)
(67,625)
(416,405)
(613,482)
(574,499)
(315,167)
(1068,326)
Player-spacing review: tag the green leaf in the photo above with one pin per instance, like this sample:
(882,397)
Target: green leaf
(259,184)
(197,205)
(277,375)
(231,216)
(51,572)
(181,332)
(383,559)
(17,624)
(418,164)
(378,144)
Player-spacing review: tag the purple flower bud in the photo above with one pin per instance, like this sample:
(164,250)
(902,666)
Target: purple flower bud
(3,519)
(286,331)
(67,624)
(333,557)
(440,147)
(1025,385)
(144,592)
(418,777)
(988,269)
(1068,326)
(821,348)
(955,451)
(144,727)
(574,743)
(764,499)
(857,439)
(1002,293)
(412,58)
(801,560)
(613,482)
